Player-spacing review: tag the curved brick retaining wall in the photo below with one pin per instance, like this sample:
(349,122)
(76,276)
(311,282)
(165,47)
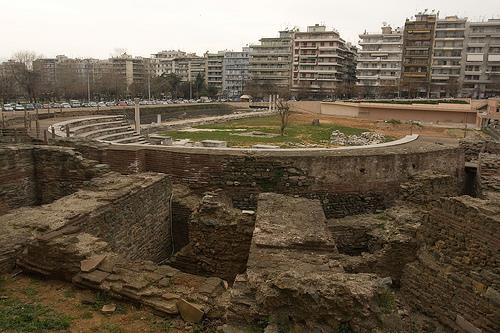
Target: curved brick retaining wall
(347,181)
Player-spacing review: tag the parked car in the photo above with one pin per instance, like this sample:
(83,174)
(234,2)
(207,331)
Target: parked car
(122,103)
(66,105)
(75,103)
(29,107)
(110,104)
(101,104)
(8,107)
(19,107)
(92,104)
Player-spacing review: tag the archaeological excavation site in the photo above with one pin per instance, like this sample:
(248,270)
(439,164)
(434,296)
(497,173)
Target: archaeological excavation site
(402,236)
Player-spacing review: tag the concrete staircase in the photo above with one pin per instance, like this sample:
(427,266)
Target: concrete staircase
(113,129)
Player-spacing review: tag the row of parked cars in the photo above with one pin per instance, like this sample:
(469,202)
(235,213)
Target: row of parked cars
(78,104)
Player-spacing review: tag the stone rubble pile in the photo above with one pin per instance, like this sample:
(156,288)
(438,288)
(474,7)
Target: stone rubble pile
(366,138)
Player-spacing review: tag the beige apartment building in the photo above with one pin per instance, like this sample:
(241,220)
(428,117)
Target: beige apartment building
(321,61)
(379,61)
(448,56)
(270,61)
(418,41)
(481,70)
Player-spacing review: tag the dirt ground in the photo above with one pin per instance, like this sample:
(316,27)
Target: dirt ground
(389,129)
(83,307)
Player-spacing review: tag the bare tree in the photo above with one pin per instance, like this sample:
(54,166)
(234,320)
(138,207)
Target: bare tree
(27,78)
(284,113)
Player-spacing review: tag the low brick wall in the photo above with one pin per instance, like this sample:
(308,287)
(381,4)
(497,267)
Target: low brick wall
(346,181)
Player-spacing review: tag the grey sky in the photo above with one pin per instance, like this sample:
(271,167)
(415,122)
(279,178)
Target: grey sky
(97,28)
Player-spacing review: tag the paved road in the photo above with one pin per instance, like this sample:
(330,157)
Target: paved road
(203,120)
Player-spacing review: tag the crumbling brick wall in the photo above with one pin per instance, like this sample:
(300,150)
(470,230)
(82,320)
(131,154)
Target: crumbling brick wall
(219,239)
(17,178)
(131,213)
(456,275)
(35,175)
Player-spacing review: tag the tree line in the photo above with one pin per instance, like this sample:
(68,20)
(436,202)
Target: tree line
(22,80)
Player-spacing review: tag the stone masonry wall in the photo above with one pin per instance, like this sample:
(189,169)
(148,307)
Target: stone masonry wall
(219,239)
(456,276)
(60,172)
(131,213)
(17,178)
(35,175)
(136,224)
(346,182)
(490,172)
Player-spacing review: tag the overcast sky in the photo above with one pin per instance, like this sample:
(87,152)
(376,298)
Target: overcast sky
(100,28)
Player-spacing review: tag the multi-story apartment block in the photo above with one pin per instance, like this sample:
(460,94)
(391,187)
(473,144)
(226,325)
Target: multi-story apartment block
(129,69)
(47,69)
(418,41)
(235,72)
(379,61)
(161,62)
(481,69)
(351,63)
(321,61)
(270,61)
(213,69)
(447,57)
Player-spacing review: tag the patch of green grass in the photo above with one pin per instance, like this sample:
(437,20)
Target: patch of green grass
(16,316)
(2,282)
(31,292)
(344,328)
(87,315)
(386,301)
(69,293)
(109,328)
(429,327)
(296,132)
(163,325)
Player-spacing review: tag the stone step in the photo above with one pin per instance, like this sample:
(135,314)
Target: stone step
(95,126)
(91,120)
(129,139)
(115,137)
(104,131)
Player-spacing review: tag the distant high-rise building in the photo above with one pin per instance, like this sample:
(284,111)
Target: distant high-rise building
(213,69)
(235,72)
(129,69)
(418,41)
(447,57)
(481,70)
(322,61)
(270,62)
(379,61)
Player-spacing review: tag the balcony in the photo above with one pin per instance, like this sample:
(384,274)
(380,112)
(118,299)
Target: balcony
(415,74)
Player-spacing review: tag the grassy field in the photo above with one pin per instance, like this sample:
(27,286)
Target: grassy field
(297,132)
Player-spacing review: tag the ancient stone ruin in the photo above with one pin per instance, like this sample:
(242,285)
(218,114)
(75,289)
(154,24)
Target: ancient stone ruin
(363,240)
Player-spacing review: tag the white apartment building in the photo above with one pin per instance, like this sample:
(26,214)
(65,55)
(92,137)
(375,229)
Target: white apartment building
(448,56)
(481,71)
(213,69)
(235,73)
(379,60)
(161,62)
(321,61)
